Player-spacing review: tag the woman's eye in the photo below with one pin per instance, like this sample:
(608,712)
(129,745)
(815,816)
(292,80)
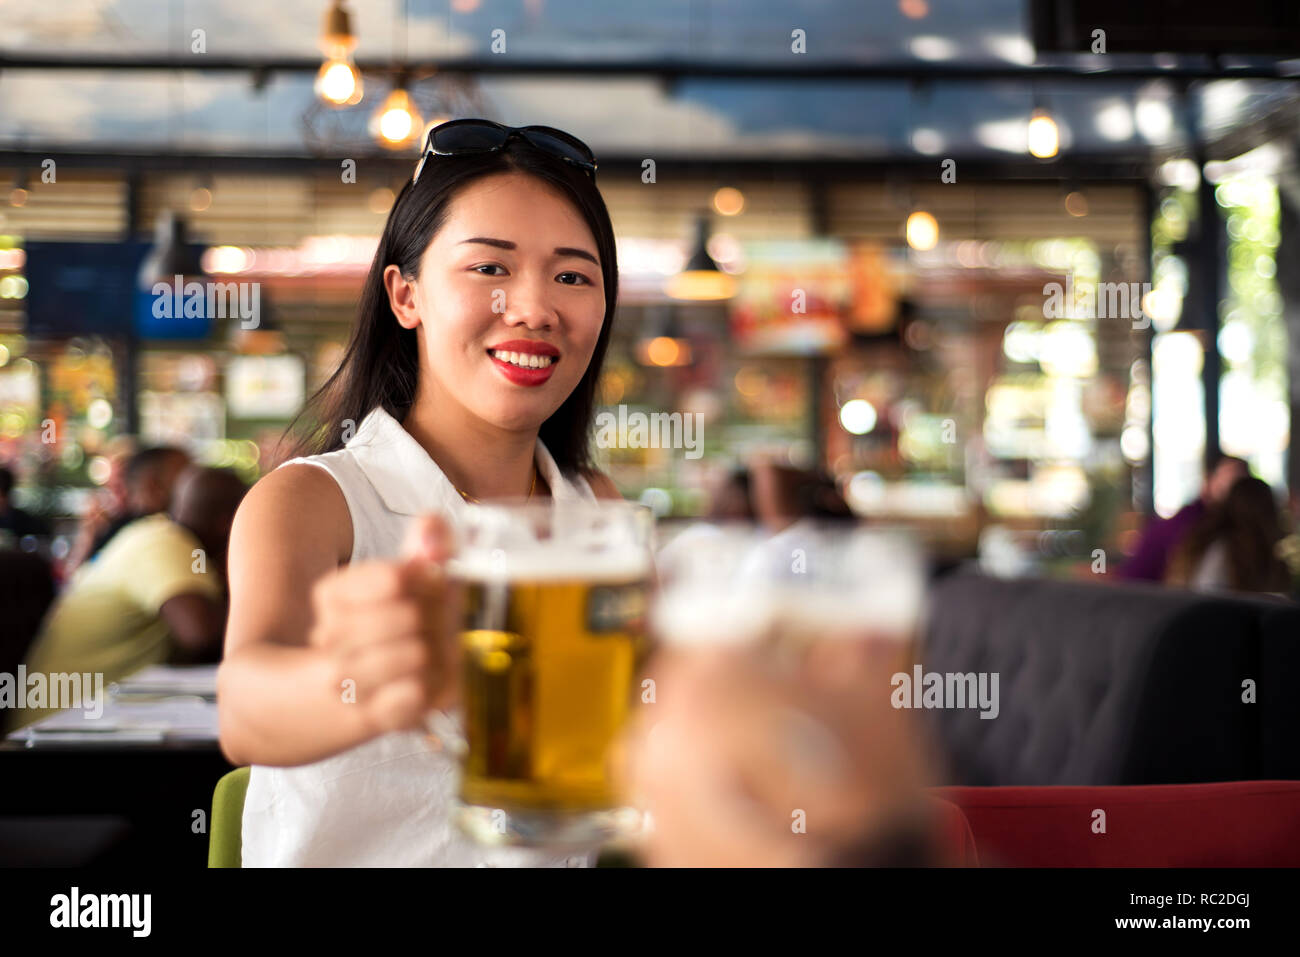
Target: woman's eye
(581,279)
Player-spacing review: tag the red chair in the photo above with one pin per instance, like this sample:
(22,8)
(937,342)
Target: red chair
(1229,824)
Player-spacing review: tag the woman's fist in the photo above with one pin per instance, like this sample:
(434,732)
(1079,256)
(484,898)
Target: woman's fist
(391,631)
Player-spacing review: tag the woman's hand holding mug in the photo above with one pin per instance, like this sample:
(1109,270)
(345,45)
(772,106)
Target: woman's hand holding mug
(392,628)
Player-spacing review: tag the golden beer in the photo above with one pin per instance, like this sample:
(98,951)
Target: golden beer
(548,684)
(553,635)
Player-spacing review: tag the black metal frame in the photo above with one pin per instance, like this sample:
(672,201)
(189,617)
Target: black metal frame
(1107,168)
(1080,67)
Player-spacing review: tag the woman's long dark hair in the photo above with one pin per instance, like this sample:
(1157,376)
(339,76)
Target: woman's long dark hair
(1248,524)
(381,364)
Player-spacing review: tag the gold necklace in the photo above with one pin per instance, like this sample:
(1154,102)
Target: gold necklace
(473,501)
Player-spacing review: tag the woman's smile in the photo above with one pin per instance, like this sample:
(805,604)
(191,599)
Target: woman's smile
(525,362)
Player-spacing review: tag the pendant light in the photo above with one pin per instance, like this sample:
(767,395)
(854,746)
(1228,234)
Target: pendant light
(665,346)
(922,230)
(18,195)
(339,81)
(701,280)
(171,255)
(1043,136)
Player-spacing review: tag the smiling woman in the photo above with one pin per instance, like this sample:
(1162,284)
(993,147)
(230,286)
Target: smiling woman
(471,374)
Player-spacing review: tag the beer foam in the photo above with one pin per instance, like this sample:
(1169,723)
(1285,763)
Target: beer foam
(726,586)
(698,614)
(693,616)
(551,563)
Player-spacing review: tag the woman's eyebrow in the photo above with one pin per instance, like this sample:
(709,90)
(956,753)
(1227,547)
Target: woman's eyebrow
(507,244)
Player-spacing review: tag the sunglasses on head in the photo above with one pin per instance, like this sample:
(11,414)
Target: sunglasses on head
(466,137)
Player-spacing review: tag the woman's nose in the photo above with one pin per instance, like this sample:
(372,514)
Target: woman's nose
(529,306)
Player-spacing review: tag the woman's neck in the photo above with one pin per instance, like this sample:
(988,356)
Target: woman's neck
(480,460)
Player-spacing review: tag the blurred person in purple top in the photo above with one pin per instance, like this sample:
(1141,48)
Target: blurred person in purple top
(1162,536)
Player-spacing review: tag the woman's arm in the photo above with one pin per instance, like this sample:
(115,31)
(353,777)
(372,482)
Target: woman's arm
(320,658)
(275,693)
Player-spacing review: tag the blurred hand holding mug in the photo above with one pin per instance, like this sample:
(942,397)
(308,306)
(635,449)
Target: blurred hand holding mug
(772,740)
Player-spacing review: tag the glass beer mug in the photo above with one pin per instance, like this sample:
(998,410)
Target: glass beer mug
(816,623)
(786,593)
(553,635)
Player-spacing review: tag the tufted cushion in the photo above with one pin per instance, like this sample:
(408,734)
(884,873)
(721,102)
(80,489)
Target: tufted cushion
(1099,684)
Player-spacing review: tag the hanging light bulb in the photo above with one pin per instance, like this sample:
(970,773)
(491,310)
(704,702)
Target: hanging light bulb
(701,280)
(397,124)
(922,230)
(18,195)
(339,81)
(729,201)
(664,346)
(1044,137)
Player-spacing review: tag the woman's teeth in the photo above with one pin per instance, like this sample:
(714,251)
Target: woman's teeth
(524,360)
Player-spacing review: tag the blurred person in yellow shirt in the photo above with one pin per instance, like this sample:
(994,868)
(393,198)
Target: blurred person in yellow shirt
(140,483)
(155,594)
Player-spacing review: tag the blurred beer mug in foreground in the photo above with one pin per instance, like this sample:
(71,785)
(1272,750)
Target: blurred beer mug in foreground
(553,634)
(784,593)
(775,742)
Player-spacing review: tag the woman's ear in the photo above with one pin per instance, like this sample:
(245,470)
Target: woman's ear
(401,297)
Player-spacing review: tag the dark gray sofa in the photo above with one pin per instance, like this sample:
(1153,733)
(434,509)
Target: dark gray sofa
(1103,683)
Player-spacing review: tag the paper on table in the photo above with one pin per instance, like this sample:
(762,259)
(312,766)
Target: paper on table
(162,679)
(188,717)
(33,738)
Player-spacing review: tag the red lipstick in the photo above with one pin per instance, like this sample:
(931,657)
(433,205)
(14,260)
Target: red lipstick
(512,358)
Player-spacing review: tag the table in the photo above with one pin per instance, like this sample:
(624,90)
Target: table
(120,789)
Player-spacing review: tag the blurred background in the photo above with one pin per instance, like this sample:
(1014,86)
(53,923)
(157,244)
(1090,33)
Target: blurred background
(838,225)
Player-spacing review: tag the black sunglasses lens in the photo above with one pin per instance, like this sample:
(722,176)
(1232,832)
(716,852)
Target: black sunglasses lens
(560,143)
(466,137)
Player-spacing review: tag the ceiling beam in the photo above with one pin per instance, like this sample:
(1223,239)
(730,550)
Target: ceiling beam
(1082,67)
(1074,166)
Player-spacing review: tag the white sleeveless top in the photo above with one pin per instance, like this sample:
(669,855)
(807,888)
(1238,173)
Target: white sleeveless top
(386,802)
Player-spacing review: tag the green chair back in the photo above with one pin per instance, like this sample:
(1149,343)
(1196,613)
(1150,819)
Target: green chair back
(225,839)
